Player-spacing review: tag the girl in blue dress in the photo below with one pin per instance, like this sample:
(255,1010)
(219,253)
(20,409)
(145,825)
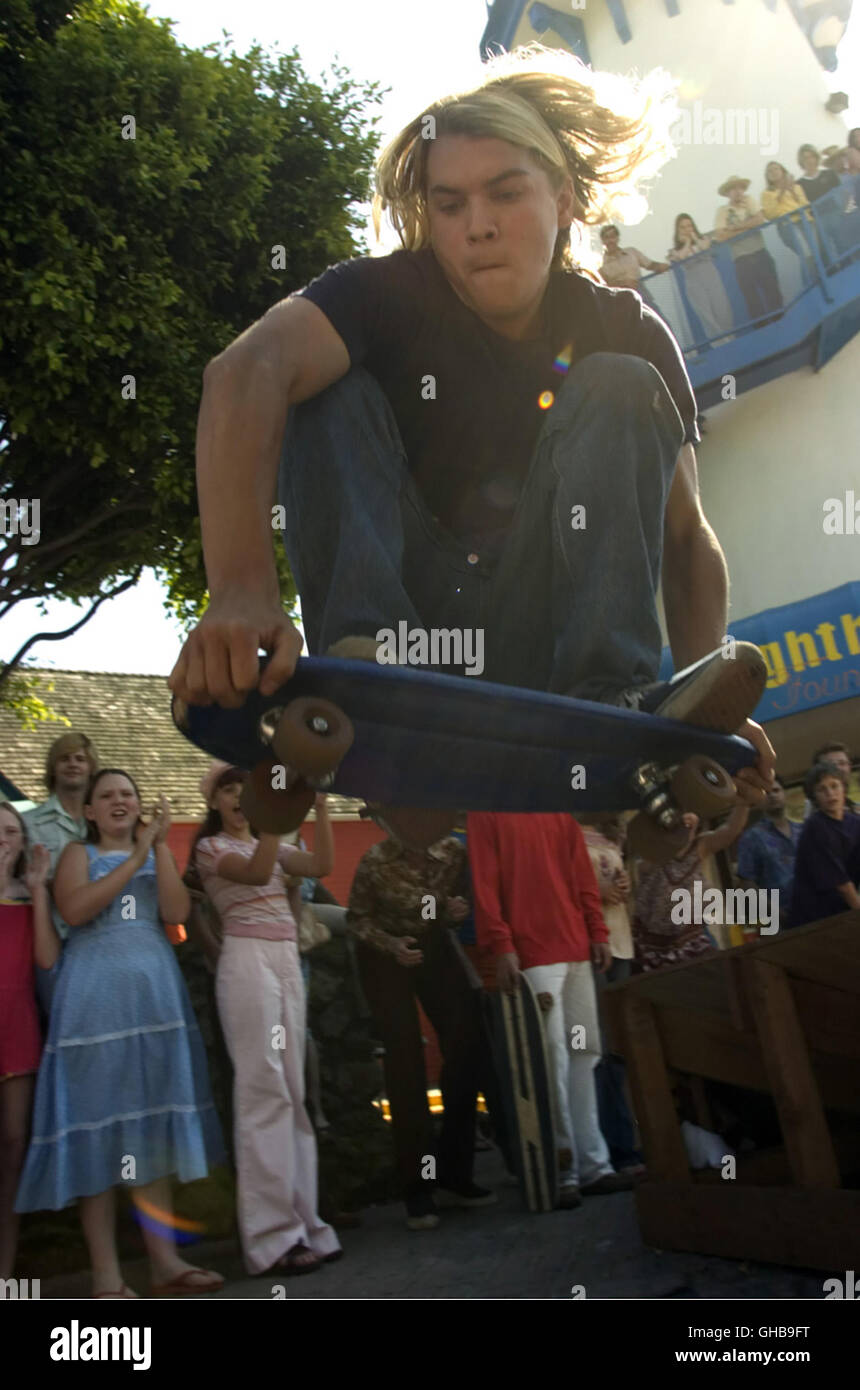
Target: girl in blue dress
(122,1095)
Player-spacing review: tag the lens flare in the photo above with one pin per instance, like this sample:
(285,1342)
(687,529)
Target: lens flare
(545,399)
(563,361)
(164,1223)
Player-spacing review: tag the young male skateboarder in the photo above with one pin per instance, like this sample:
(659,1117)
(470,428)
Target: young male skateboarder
(471,434)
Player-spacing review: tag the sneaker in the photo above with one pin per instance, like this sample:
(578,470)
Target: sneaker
(354,649)
(421,1213)
(718,692)
(466,1195)
(569,1196)
(610,1182)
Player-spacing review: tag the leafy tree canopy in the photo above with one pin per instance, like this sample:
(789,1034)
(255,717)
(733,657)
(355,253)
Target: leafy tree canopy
(142,258)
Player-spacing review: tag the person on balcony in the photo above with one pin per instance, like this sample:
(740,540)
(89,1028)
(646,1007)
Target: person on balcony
(838,217)
(623,265)
(784,195)
(852,151)
(705,289)
(814,180)
(736,221)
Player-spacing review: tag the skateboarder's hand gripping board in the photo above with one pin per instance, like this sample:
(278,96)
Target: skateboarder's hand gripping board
(753,783)
(290,355)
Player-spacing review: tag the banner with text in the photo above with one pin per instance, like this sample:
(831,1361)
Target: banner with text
(812,650)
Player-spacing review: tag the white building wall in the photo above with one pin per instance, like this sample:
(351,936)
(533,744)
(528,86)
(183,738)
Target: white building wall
(775,454)
(769,461)
(728,58)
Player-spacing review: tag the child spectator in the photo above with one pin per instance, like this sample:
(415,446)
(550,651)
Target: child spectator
(827,868)
(261,1003)
(122,1096)
(26,935)
(659,939)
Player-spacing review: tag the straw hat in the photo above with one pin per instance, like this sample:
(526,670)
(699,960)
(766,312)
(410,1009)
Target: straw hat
(725,188)
(207,782)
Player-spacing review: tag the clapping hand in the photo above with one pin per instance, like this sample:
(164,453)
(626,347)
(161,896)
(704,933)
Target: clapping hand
(38,868)
(154,831)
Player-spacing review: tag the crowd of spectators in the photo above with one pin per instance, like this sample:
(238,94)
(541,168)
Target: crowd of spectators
(832,175)
(103,1076)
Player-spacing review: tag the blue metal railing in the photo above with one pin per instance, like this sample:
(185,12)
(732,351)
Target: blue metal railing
(739,285)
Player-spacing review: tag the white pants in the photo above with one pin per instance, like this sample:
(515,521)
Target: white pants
(260,992)
(574,1005)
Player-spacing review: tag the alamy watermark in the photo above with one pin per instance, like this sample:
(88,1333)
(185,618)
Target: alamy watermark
(21,517)
(756,127)
(436,646)
(714,908)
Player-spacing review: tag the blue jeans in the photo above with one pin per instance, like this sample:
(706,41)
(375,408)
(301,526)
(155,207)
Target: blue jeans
(609,1074)
(564,610)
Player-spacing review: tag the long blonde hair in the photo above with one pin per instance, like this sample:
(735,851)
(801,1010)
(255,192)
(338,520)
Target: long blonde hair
(607,134)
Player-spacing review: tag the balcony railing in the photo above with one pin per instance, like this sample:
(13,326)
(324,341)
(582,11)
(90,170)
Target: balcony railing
(738,286)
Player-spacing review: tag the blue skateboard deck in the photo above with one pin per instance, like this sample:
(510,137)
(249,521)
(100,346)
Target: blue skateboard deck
(436,741)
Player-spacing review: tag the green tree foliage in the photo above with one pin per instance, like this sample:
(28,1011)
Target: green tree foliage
(143,258)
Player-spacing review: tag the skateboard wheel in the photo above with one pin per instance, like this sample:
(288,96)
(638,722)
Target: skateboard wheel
(414,826)
(703,786)
(653,842)
(275,812)
(312,736)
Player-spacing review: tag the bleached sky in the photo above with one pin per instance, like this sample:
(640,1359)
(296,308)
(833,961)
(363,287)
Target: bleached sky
(415,48)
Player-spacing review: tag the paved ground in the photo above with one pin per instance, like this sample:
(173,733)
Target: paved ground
(497,1252)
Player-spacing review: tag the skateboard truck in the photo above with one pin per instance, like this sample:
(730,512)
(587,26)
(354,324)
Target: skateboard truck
(698,784)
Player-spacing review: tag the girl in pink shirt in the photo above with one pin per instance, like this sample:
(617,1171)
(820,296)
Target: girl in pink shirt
(27,936)
(261,1004)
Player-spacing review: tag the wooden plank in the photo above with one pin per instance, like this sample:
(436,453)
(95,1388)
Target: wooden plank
(707,1047)
(771,1168)
(739,1005)
(651,1092)
(830,1018)
(699,985)
(704,1118)
(792,1080)
(827,952)
(779,1225)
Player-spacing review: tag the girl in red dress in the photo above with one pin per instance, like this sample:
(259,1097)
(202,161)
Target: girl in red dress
(26,934)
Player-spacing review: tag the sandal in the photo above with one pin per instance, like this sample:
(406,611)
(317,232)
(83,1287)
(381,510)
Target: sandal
(180,1286)
(295,1261)
(122,1292)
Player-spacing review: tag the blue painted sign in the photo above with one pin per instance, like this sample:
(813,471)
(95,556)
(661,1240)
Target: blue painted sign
(812,650)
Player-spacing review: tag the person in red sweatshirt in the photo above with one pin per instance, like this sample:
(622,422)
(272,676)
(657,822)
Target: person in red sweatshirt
(537,906)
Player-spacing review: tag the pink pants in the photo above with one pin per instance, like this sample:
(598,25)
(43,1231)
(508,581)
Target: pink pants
(261,1003)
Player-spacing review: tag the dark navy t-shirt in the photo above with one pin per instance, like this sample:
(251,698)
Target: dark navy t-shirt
(465,398)
(828,853)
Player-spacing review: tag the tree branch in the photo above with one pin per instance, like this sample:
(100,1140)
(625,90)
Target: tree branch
(10,667)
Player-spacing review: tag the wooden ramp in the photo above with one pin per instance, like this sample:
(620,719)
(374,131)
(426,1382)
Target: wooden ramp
(780,1016)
